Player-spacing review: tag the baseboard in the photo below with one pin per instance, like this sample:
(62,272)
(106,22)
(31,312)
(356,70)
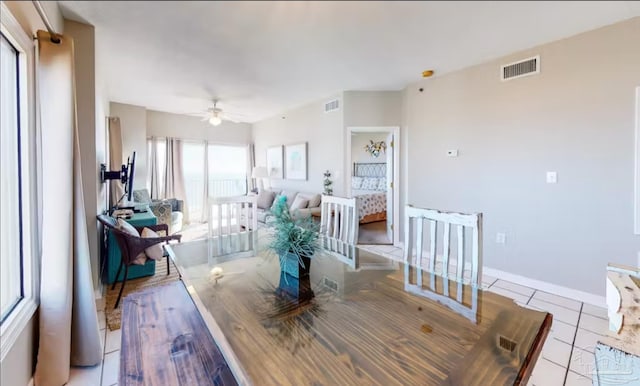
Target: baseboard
(30,382)
(97,293)
(555,289)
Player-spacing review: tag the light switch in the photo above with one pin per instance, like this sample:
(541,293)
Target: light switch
(452,153)
(552,177)
(501,238)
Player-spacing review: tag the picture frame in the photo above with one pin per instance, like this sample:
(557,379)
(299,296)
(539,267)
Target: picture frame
(296,161)
(275,165)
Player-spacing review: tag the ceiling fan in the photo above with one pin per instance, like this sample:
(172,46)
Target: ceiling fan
(215,115)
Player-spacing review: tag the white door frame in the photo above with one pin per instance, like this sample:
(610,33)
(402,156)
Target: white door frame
(395,130)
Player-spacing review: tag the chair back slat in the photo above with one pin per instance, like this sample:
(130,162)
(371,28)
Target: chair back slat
(231,215)
(339,226)
(445,264)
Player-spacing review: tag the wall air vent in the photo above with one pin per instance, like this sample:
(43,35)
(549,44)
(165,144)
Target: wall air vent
(333,105)
(526,67)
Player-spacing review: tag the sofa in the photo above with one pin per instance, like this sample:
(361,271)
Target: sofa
(168,211)
(300,204)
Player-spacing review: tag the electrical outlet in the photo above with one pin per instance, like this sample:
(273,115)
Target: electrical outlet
(552,177)
(501,238)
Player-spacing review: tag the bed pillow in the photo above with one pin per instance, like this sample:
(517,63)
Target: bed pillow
(369,183)
(382,183)
(356,182)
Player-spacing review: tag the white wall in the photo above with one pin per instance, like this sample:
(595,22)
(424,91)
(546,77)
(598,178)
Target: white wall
(324,133)
(133,123)
(161,124)
(358,142)
(576,118)
(17,366)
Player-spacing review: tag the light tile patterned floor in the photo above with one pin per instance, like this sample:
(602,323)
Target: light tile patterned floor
(566,359)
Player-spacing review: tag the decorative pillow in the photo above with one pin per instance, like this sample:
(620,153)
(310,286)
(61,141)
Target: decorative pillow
(265,199)
(154,252)
(290,196)
(141,195)
(299,203)
(128,228)
(275,200)
(314,201)
(382,183)
(356,182)
(369,183)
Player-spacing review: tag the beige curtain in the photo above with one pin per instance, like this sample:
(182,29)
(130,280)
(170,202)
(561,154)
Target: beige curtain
(115,159)
(204,214)
(69,332)
(174,179)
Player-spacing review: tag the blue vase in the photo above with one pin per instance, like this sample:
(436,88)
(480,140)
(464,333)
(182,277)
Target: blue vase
(290,264)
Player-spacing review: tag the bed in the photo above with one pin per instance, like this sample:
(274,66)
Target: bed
(369,187)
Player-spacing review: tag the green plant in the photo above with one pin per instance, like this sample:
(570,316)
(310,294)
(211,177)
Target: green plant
(297,235)
(328,189)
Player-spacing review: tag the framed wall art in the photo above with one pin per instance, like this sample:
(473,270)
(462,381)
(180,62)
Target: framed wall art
(295,161)
(274,162)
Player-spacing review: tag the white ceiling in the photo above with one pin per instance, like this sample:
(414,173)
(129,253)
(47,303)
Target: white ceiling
(260,58)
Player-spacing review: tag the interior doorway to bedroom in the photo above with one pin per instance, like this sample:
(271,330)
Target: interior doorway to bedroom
(373,173)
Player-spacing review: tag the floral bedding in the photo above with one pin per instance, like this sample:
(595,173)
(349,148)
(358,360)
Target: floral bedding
(372,207)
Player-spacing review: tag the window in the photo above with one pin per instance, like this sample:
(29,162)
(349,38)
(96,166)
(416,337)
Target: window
(11,285)
(19,234)
(227,170)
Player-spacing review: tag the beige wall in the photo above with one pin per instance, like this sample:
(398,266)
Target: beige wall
(575,118)
(133,123)
(161,124)
(372,108)
(324,133)
(17,366)
(358,142)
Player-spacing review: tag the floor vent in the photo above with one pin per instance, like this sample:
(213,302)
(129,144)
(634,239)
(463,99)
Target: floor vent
(526,67)
(332,106)
(506,344)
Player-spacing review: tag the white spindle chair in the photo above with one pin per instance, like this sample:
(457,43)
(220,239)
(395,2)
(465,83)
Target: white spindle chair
(229,215)
(339,227)
(459,221)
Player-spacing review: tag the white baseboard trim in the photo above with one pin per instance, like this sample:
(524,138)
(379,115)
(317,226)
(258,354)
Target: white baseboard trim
(555,289)
(97,293)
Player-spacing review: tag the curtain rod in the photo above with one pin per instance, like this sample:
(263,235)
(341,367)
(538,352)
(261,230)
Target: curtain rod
(54,36)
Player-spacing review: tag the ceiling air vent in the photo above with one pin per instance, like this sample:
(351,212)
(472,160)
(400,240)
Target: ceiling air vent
(526,67)
(332,106)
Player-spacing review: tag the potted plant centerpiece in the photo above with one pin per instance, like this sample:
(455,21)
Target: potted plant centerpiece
(295,240)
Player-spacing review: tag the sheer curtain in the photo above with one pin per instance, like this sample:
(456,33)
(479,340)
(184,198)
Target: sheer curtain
(115,159)
(69,332)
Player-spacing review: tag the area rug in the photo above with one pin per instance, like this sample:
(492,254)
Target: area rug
(136,285)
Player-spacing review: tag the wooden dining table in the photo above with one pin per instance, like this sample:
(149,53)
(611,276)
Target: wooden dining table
(368,324)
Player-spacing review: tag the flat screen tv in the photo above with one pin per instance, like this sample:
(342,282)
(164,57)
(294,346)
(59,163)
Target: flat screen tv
(131,167)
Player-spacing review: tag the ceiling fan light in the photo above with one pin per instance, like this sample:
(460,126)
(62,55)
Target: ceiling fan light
(215,120)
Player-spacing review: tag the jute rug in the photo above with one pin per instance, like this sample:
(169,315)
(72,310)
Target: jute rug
(136,285)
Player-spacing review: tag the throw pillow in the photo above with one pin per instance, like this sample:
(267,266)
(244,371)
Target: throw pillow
(128,228)
(299,203)
(154,252)
(356,182)
(314,201)
(265,199)
(290,196)
(141,195)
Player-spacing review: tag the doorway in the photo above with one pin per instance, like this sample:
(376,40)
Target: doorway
(372,161)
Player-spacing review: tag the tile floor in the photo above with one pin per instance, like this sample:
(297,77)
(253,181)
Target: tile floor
(566,359)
